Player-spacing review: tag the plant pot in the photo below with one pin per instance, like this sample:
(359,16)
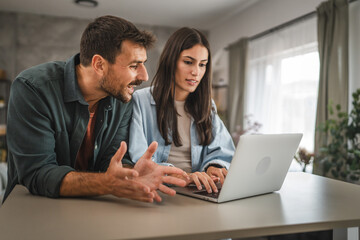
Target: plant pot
(353,176)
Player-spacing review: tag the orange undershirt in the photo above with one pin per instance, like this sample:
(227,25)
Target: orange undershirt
(86,151)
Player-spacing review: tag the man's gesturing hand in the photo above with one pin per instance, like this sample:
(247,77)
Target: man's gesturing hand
(155,176)
(139,184)
(121,181)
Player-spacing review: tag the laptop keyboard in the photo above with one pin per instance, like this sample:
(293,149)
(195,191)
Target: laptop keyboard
(203,192)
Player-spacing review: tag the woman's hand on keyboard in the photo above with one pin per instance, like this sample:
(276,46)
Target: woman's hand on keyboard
(201,179)
(216,172)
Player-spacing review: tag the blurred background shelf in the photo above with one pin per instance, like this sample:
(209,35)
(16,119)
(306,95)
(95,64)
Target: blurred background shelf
(4,97)
(2,129)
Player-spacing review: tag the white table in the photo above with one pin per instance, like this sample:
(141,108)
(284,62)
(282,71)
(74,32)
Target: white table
(305,203)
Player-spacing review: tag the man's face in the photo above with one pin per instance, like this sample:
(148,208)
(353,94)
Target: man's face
(127,72)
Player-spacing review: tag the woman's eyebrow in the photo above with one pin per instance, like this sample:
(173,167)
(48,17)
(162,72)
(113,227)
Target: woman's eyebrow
(195,59)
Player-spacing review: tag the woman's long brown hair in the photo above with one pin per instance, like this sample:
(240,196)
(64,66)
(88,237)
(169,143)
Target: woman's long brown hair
(197,104)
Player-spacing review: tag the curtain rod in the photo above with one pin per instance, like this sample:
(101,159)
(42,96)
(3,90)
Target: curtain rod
(281,26)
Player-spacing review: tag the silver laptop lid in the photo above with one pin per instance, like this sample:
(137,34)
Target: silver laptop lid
(259,165)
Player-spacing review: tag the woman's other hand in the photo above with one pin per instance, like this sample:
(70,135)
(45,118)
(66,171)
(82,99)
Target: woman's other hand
(219,173)
(201,178)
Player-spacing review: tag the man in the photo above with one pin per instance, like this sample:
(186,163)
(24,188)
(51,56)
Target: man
(66,120)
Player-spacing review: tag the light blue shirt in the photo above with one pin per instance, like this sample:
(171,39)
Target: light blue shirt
(144,130)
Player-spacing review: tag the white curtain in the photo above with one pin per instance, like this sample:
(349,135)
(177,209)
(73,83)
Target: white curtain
(282,81)
(354,48)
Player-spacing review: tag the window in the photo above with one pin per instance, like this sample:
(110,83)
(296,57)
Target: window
(282,82)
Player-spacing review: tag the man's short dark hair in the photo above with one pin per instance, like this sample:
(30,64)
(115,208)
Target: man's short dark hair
(105,35)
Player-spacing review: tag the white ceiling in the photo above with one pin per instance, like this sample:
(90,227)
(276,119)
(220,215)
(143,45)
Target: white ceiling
(203,14)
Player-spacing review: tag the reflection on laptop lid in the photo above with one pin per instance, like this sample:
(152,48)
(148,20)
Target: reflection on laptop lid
(259,166)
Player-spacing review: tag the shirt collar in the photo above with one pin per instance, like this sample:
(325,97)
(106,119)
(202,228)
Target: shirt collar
(152,101)
(71,88)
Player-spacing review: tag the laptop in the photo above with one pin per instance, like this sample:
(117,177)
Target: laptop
(259,166)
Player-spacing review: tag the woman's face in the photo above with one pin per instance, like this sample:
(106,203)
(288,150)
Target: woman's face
(190,69)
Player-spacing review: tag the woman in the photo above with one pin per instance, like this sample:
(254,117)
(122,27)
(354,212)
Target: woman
(178,112)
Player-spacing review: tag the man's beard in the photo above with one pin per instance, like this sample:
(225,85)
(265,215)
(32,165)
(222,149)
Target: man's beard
(123,95)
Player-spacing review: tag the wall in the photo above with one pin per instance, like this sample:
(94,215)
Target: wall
(29,39)
(7,43)
(266,14)
(261,16)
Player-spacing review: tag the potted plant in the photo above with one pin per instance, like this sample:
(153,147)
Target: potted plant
(340,157)
(304,158)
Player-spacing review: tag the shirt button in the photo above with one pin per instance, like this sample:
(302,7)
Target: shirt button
(96,146)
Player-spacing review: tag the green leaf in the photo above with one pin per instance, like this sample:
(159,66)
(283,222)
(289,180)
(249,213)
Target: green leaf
(338,107)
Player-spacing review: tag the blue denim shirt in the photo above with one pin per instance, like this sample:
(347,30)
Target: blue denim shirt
(47,121)
(144,130)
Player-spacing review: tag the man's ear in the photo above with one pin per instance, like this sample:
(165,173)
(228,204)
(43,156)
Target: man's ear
(99,64)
